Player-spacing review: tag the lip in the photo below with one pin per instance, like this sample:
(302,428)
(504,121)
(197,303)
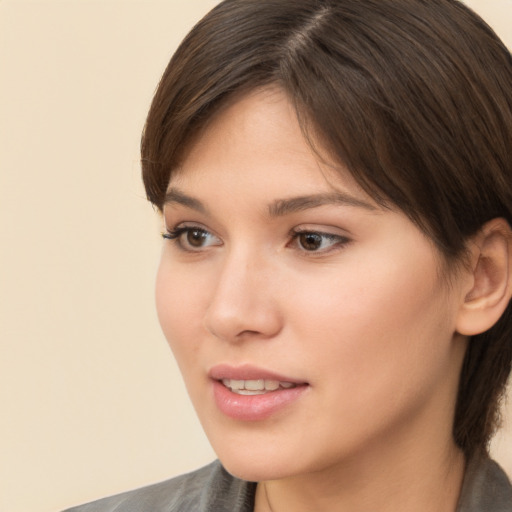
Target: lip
(253,407)
(248,372)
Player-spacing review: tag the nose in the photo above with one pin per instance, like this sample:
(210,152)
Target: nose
(243,303)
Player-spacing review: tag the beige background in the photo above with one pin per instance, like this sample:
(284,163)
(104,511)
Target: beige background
(90,400)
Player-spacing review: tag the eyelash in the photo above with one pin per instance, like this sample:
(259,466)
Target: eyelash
(338,241)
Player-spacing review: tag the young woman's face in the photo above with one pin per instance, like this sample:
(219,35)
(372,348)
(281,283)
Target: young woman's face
(311,325)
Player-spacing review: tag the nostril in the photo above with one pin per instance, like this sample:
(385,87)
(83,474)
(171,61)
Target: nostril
(248,333)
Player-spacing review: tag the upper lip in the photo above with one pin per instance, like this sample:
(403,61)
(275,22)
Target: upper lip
(248,372)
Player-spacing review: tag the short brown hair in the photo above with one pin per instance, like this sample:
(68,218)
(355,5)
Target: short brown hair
(414,96)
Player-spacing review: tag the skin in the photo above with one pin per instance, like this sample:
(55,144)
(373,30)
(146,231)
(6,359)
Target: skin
(364,317)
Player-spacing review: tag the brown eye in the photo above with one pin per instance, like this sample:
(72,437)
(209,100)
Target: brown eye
(192,239)
(196,237)
(310,241)
(317,241)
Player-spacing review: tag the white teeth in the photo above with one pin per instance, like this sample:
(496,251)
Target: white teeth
(237,384)
(255,387)
(271,385)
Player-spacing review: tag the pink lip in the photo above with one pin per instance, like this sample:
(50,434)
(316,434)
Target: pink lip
(252,407)
(248,372)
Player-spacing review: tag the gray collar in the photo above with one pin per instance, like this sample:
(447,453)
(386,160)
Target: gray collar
(486,488)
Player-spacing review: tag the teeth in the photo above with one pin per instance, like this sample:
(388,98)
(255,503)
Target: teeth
(255,387)
(272,385)
(237,384)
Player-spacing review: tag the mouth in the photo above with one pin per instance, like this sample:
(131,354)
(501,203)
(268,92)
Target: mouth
(256,387)
(249,393)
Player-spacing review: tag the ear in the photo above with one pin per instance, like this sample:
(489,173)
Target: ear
(490,279)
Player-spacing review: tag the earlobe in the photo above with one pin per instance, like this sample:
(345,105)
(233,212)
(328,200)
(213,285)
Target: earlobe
(491,279)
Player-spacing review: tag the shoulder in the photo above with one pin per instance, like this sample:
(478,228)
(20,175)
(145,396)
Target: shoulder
(210,488)
(486,488)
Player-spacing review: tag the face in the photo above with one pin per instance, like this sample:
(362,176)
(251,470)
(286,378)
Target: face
(311,325)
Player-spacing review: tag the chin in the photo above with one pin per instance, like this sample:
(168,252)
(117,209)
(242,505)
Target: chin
(255,470)
(257,460)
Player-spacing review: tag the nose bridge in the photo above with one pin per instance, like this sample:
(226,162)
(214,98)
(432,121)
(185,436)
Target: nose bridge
(242,301)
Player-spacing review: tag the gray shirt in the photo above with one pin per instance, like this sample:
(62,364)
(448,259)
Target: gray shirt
(486,488)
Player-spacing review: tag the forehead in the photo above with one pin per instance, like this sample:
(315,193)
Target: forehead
(259,131)
(257,121)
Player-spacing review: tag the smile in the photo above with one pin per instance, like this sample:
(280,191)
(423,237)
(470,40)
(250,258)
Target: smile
(255,387)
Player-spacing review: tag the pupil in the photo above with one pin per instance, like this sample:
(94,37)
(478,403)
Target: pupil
(195,237)
(310,241)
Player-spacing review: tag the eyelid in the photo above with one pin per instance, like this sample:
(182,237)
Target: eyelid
(181,226)
(326,230)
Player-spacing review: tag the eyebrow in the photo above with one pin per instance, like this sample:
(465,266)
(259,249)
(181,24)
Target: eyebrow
(176,196)
(297,204)
(280,207)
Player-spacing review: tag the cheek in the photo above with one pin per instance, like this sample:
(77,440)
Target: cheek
(378,347)
(372,319)
(178,303)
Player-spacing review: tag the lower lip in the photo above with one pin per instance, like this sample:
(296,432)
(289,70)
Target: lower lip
(254,407)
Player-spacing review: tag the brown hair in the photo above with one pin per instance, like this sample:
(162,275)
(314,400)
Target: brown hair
(414,96)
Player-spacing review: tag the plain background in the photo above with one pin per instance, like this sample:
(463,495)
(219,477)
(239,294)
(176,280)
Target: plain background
(91,402)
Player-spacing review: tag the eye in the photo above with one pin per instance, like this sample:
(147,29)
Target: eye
(192,238)
(316,241)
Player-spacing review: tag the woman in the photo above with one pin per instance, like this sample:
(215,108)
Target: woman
(335,182)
